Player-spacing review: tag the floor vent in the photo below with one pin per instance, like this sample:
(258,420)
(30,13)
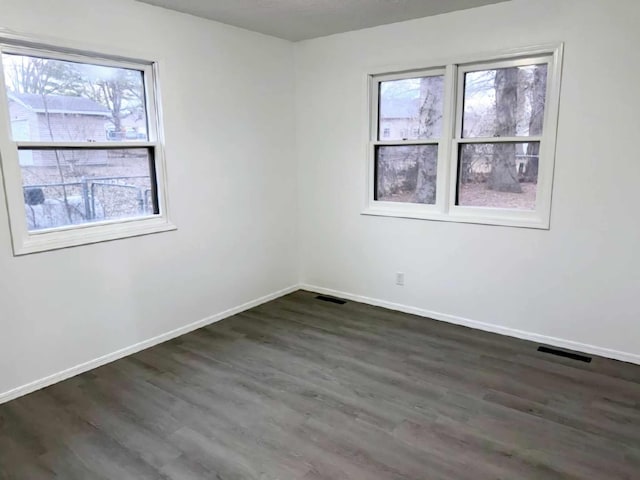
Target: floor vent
(326,298)
(562,353)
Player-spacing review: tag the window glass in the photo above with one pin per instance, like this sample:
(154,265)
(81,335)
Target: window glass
(406,173)
(412,107)
(65,187)
(60,101)
(505,102)
(498,175)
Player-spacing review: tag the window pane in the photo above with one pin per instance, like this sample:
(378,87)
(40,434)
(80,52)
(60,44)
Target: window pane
(411,108)
(59,101)
(506,102)
(498,175)
(78,186)
(406,173)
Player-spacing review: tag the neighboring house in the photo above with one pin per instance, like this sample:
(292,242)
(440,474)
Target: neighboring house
(400,118)
(57,117)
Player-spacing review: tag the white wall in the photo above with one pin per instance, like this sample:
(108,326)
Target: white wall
(228,105)
(577,282)
(228,98)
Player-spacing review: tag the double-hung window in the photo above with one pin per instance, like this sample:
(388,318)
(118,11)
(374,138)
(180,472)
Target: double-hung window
(80,139)
(472,141)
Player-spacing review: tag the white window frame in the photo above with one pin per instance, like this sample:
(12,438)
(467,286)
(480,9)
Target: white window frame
(445,208)
(376,142)
(25,241)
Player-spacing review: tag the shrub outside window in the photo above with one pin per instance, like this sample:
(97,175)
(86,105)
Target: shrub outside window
(475,142)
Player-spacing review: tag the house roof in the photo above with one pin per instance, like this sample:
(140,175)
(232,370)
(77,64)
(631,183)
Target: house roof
(59,104)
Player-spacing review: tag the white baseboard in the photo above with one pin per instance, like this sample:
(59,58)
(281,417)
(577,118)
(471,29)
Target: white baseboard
(488,327)
(124,352)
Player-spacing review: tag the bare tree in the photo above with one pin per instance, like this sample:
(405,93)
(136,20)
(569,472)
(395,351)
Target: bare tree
(386,175)
(537,92)
(39,76)
(122,93)
(504,176)
(431,103)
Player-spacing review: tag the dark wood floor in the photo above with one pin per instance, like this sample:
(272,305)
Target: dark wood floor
(303,389)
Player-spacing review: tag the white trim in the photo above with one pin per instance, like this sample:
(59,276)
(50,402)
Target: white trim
(480,216)
(471,140)
(461,60)
(404,143)
(130,350)
(16,43)
(453,319)
(444,150)
(516,61)
(88,233)
(410,75)
(487,327)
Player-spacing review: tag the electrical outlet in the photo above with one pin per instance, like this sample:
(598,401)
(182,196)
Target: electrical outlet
(400,278)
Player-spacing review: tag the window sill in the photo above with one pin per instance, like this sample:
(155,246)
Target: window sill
(75,236)
(484,216)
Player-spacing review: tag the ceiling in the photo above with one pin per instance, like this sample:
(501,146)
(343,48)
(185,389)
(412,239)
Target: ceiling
(303,19)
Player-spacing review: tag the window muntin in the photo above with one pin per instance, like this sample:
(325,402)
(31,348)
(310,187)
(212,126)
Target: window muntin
(497,147)
(82,157)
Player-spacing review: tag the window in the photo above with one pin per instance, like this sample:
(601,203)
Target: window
(406,166)
(476,140)
(82,158)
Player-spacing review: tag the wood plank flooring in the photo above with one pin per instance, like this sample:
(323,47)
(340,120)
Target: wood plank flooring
(304,389)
